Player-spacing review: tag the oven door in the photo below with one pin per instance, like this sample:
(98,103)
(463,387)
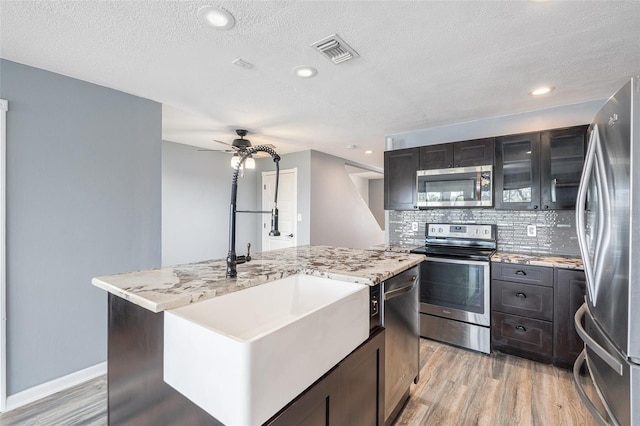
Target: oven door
(456,289)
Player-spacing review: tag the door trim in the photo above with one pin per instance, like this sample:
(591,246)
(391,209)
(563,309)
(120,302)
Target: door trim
(4,107)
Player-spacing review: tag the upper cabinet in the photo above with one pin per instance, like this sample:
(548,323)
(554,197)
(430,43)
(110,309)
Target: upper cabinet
(562,157)
(539,171)
(400,167)
(517,172)
(477,152)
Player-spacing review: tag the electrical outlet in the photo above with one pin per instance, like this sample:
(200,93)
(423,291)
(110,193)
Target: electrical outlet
(414,226)
(531,231)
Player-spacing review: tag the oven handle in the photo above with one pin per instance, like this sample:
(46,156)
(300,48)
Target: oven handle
(457,261)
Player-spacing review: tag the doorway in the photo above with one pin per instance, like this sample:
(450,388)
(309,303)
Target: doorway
(287,209)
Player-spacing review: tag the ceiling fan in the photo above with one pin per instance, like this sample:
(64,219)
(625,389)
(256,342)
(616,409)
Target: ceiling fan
(238,146)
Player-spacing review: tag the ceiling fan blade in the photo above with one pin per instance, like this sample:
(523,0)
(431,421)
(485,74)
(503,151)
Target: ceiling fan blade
(224,143)
(216,150)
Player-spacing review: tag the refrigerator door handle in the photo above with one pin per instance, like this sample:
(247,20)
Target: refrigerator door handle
(588,341)
(580,208)
(604,221)
(580,361)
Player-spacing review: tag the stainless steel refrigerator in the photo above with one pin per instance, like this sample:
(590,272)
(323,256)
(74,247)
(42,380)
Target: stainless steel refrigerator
(608,225)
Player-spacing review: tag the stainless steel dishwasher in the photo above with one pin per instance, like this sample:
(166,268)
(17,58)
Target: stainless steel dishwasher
(402,339)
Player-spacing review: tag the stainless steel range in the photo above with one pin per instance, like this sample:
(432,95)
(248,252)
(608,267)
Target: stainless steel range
(455,282)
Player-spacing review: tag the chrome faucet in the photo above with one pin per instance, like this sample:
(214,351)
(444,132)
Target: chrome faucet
(232,259)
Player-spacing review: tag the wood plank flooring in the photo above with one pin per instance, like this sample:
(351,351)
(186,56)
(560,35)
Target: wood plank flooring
(461,387)
(85,404)
(457,387)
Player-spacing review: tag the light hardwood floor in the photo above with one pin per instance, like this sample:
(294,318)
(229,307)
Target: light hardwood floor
(461,387)
(457,387)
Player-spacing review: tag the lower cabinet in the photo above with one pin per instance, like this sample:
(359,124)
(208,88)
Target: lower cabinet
(352,393)
(522,311)
(532,312)
(569,292)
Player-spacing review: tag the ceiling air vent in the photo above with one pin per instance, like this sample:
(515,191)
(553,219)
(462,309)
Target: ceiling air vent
(335,49)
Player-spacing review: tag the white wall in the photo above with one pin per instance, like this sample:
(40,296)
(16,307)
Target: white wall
(362,186)
(339,215)
(196,194)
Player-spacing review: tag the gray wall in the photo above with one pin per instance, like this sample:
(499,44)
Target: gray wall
(196,193)
(302,162)
(83,199)
(339,215)
(376,200)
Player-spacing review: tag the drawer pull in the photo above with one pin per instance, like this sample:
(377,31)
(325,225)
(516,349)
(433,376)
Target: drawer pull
(521,328)
(521,272)
(521,295)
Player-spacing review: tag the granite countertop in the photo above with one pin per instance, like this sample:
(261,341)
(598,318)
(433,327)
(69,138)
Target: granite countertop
(175,286)
(557,261)
(397,248)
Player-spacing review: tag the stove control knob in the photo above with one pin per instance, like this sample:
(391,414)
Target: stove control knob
(440,230)
(486,231)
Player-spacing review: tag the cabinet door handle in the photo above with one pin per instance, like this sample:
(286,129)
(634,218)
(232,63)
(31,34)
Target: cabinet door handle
(521,272)
(535,207)
(521,328)
(521,295)
(546,207)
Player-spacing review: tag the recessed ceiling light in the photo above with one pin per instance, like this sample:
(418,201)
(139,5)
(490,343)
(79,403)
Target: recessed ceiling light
(305,72)
(542,90)
(216,17)
(368,151)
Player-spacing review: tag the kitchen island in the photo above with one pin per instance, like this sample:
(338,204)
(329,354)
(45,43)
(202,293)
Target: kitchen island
(137,391)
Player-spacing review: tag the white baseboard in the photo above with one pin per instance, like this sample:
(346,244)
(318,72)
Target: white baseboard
(35,393)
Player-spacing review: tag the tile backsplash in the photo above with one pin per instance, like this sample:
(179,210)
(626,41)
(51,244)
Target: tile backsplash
(555,229)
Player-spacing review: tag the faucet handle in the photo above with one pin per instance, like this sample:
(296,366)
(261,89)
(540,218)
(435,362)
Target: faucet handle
(248,258)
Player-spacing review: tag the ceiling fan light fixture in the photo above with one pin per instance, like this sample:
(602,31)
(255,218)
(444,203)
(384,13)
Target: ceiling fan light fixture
(216,17)
(250,163)
(235,160)
(542,90)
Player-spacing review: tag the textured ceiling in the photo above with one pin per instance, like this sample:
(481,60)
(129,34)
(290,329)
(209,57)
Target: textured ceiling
(422,63)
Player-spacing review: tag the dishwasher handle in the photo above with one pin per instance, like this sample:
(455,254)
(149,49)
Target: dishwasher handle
(399,291)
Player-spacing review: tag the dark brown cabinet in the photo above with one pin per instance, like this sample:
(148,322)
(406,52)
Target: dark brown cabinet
(539,171)
(562,157)
(522,310)
(400,167)
(477,152)
(352,393)
(517,172)
(569,293)
(532,310)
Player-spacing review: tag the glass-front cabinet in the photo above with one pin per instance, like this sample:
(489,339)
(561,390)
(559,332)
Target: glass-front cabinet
(517,179)
(562,156)
(539,171)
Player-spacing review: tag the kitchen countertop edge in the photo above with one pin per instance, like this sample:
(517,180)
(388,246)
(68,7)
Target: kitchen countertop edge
(175,286)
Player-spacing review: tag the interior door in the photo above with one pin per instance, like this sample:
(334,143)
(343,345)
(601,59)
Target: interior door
(287,207)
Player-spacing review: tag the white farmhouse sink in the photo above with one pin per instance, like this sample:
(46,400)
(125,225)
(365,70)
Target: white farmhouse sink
(243,356)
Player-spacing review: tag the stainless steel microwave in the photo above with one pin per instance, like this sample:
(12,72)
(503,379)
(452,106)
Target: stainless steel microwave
(456,187)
